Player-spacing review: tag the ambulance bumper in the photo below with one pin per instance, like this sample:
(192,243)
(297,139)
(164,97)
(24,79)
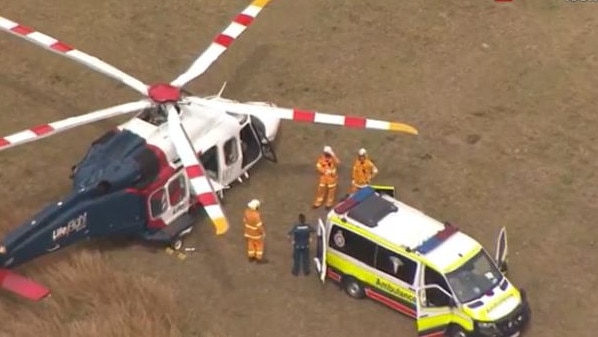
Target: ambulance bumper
(510,326)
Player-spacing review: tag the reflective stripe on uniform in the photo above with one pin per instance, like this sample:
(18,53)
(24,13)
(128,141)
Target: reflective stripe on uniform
(253,227)
(360,186)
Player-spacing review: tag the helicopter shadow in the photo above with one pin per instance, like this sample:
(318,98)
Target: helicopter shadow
(244,73)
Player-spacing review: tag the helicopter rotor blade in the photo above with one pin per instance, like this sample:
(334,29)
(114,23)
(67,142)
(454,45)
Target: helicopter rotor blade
(201,185)
(58,47)
(221,43)
(22,286)
(50,129)
(308,116)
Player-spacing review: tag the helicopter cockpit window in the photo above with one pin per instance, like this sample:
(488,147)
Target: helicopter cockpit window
(231,151)
(158,203)
(156,115)
(177,190)
(209,159)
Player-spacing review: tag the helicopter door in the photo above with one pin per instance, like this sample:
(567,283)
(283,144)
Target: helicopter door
(266,147)
(251,147)
(170,201)
(231,160)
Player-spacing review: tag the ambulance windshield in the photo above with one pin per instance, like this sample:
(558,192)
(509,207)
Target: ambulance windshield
(476,277)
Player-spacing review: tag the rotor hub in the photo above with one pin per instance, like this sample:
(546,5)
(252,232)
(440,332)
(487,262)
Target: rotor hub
(164,93)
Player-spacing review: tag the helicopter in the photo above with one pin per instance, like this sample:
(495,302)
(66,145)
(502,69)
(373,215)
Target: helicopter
(151,176)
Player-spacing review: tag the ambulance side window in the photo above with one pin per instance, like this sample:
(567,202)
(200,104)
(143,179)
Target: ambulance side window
(353,245)
(436,298)
(395,265)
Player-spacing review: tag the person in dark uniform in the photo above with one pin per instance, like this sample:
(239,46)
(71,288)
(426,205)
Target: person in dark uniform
(300,236)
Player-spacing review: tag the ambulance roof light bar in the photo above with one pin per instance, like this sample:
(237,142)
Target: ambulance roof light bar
(354,200)
(437,239)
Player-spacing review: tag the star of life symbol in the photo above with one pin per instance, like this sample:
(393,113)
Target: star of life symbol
(396,263)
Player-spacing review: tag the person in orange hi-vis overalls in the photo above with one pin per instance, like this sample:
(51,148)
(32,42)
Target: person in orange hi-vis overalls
(327,168)
(363,171)
(254,232)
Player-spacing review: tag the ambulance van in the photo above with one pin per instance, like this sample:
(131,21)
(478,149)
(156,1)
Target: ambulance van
(375,246)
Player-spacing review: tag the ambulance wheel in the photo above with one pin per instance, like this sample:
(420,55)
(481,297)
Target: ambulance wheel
(177,244)
(354,288)
(455,331)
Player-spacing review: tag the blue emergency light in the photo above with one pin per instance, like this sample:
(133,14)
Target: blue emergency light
(436,240)
(354,200)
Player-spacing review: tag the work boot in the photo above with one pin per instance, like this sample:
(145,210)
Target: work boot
(251,259)
(262,261)
(315,206)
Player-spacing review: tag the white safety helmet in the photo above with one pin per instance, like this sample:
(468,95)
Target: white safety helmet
(327,149)
(362,152)
(254,204)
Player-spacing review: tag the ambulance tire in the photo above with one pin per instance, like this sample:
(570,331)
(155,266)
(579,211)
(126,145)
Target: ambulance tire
(353,287)
(455,331)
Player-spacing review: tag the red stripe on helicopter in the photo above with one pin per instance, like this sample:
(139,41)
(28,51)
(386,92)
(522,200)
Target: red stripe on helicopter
(22,30)
(194,171)
(57,46)
(304,116)
(355,122)
(310,116)
(224,40)
(243,19)
(207,199)
(4,142)
(61,47)
(42,129)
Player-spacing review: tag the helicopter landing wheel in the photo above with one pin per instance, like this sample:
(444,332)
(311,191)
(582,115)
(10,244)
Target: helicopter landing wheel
(177,244)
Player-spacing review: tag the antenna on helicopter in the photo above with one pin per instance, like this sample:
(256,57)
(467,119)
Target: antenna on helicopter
(221,90)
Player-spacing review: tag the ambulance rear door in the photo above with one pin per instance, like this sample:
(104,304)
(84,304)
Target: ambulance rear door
(320,258)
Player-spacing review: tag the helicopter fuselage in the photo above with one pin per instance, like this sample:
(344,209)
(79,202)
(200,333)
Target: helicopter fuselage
(131,182)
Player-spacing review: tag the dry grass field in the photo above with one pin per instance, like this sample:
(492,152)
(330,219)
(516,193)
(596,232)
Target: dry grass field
(504,96)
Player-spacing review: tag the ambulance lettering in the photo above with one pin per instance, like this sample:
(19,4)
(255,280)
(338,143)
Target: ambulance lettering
(395,290)
(72,226)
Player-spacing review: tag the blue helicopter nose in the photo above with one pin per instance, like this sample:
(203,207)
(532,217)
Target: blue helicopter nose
(110,162)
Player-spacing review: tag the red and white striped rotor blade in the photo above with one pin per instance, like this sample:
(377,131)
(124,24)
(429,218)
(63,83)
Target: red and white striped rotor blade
(221,43)
(22,286)
(199,181)
(309,116)
(52,44)
(46,130)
